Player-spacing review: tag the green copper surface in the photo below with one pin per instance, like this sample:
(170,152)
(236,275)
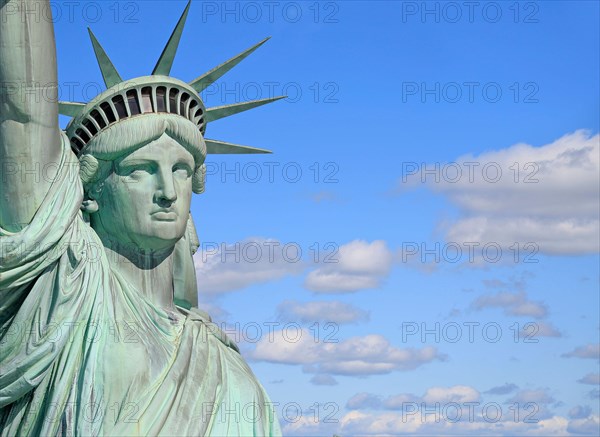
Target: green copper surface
(220,148)
(202,82)
(219,112)
(72,109)
(99,327)
(165,62)
(109,72)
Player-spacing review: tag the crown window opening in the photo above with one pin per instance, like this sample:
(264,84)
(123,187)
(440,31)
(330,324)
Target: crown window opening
(87,132)
(198,116)
(192,111)
(147,99)
(182,104)
(83,135)
(94,125)
(90,127)
(173,100)
(161,99)
(76,144)
(134,103)
(110,115)
(119,103)
(153,98)
(97,117)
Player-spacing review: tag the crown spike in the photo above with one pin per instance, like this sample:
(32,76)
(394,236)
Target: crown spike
(109,72)
(72,109)
(219,112)
(165,62)
(215,147)
(202,82)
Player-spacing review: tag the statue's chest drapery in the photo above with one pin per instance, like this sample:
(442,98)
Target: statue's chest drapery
(138,341)
(86,354)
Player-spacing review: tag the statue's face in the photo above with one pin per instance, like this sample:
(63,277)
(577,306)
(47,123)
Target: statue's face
(145,201)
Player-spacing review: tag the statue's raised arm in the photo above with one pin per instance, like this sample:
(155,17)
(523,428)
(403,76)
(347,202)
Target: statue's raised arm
(99,334)
(29,133)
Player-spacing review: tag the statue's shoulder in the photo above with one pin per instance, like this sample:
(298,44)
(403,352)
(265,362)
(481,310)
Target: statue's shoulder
(213,329)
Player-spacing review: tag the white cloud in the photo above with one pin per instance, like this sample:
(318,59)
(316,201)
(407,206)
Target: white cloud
(517,304)
(225,267)
(456,410)
(514,304)
(393,424)
(459,410)
(538,396)
(587,351)
(557,210)
(363,401)
(502,389)
(442,395)
(367,355)
(591,379)
(457,393)
(321,379)
(306,425)
(533,403)
(332,311)
(580,412)
(589,425)
(539,329)
(397,402)
(361,265)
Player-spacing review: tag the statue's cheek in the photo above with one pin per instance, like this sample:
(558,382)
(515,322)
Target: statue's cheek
(131,187)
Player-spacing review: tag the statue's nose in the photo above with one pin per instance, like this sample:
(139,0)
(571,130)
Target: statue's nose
(166,188)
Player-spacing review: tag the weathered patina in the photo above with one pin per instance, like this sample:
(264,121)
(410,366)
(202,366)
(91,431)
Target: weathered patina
(99,330)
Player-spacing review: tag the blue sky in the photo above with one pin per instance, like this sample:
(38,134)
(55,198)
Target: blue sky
(411,130)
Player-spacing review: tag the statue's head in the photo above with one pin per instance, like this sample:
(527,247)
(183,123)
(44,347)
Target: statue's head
(138,178)
(141,147)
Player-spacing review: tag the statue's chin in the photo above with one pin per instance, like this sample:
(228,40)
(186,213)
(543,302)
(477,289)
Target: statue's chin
(151,244)
(162,236)
(157,242)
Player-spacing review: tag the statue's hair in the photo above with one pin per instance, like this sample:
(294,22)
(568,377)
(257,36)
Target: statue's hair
(131,134)
(96,160)
(88,169)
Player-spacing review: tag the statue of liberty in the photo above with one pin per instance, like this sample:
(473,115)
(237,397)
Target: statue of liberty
(99,330)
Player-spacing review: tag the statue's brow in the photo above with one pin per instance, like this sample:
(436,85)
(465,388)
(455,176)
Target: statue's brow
(137,161)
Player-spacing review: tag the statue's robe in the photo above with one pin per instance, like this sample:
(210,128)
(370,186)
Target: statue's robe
(82,352)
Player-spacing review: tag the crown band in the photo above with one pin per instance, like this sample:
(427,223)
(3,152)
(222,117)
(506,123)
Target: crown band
(155,94)
(144,95)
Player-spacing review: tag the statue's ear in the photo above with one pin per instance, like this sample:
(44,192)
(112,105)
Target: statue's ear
(88,172)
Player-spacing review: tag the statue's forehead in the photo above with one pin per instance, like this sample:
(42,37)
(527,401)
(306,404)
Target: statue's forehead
(130,135)
(164,148)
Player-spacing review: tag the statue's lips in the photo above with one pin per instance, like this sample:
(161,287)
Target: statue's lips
(165,215)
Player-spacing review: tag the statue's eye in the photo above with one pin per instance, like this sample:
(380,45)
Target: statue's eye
(183,170)
(137,169)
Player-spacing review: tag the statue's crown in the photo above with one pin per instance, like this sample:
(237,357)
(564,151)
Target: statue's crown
(154,94)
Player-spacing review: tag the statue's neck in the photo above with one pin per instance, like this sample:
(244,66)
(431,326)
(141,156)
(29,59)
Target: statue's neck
(150,272)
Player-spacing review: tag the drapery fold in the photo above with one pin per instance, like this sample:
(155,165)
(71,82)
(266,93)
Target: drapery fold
(84,353)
